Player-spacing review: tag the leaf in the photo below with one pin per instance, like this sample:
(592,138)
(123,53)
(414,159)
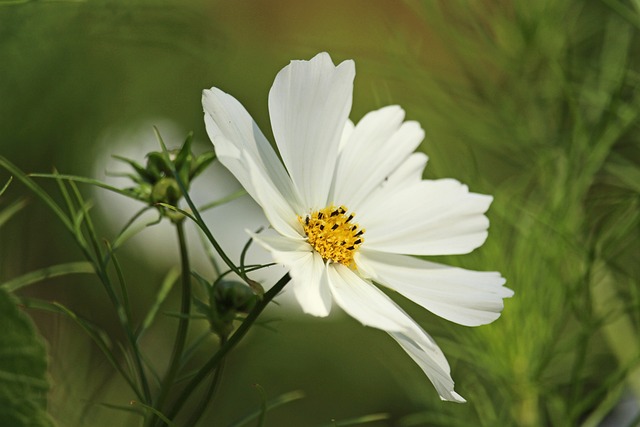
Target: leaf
(4,188)
(11,210)
(167,284)
(138,168)
(283,399)
(201,162)
(222,201)
(47,273)
(90,181)
(23,369)
(627,172)
(38,191)
(357,421)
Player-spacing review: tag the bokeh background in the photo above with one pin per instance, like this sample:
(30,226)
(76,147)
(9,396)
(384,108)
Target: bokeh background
(533,102)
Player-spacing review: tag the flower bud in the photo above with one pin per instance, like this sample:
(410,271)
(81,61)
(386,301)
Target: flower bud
(166,190)
(156,182)
(236,296)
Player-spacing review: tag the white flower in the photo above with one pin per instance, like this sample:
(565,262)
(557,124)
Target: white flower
(349,204)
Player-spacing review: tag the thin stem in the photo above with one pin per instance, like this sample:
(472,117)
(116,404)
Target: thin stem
(213,387)
(229,345)
(196,215)
(183,325)
(99,267)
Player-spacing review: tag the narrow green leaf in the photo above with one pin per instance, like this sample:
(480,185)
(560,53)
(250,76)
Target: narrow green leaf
(85,207)
(81,267)
(23,369)
(71,208)
(4,188)
(11,210)
(101,340)
(6,164)
(222,201)
(128,231)
(620,332)
(283,399)
(156,412)
(167,284)
(356,421)
(627,172)
(126,408)
(625,12)
(196,217)
(178,210)
(193,347)
(243,255)
(138,168)
(90,181)
(201,163)
(123,285)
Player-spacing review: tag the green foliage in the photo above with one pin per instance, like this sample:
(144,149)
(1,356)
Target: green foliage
(537,105)
(227,298)
(24,381)
(544,104)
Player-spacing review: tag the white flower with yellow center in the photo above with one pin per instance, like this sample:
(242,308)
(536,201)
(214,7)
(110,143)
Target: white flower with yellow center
(349,205)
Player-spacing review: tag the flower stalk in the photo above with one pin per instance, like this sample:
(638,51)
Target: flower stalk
(219,356)
(183,323)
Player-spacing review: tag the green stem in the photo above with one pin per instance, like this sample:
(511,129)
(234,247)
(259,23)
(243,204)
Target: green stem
(183,325)
(198,218)
(213,387)
(228,346)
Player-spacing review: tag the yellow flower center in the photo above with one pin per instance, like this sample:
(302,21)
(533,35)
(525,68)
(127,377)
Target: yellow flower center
(332,234)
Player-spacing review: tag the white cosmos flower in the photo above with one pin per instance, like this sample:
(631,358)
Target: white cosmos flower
(349,206)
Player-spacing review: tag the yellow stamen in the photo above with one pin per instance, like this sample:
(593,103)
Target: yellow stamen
(333,234)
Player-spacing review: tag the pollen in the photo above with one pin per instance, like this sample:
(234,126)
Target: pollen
(333,234)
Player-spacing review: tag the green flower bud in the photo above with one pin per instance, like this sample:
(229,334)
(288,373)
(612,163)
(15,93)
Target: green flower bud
(236,296)
(166,190)
(155,182)
(226,300)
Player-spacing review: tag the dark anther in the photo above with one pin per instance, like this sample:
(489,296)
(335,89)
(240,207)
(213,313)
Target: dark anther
(321,226)
(350,218)
(359,233)
(350,248)
(357,242)
(334,226)
(320,215)
(306,221)
(336,212)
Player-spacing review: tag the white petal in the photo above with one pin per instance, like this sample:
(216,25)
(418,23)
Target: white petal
(428,218)
(379,143)
(277,243)
(408,173)
(424,351)
(346,133)
(366,303)
(467,297)
(310,285)
(306,268)
(309,104)
(363,301)
(278,211)
(233,131)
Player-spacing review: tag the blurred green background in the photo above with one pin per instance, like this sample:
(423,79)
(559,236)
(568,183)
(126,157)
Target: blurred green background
(533,102)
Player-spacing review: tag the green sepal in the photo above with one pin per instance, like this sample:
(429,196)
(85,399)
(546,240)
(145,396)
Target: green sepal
(140,170)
